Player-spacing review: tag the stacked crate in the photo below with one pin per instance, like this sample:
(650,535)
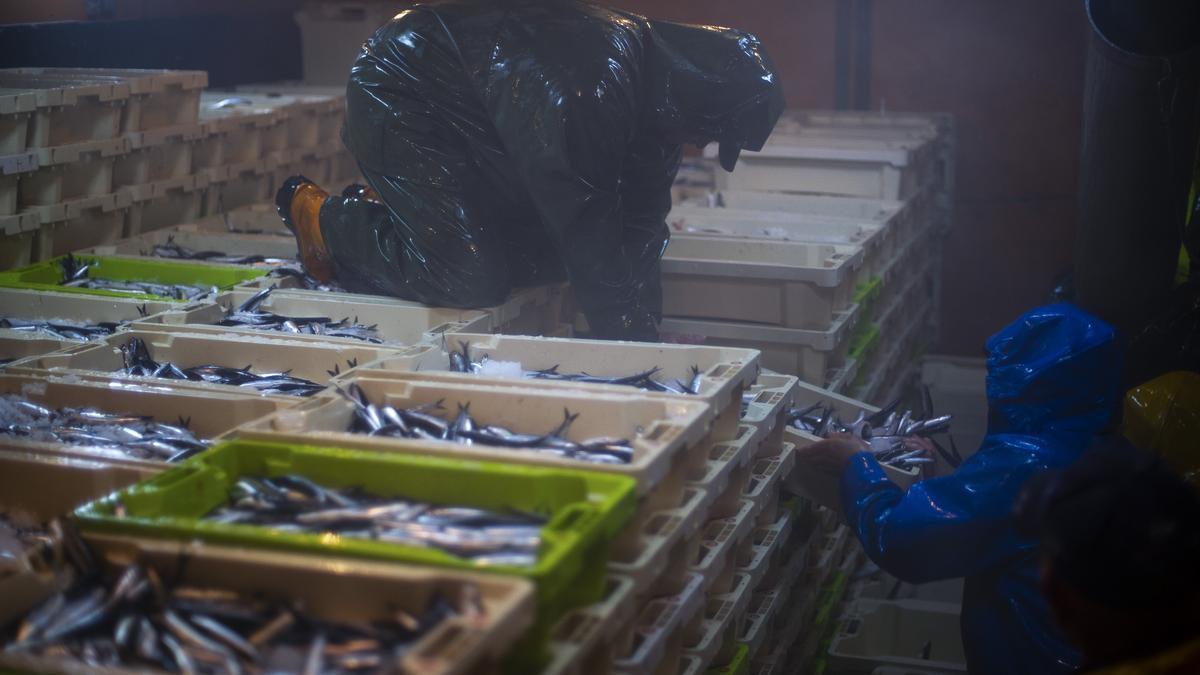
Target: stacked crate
(712,571)
(694,558)
(822,250)
(71,140)
(255,138)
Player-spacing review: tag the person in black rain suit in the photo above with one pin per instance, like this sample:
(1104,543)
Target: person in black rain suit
(520,142)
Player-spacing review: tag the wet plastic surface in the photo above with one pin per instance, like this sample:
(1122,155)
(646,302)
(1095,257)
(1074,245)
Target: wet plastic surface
(526,141)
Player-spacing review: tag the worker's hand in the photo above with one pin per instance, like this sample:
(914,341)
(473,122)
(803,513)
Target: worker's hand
(819,468)
(920,443)
(829,456)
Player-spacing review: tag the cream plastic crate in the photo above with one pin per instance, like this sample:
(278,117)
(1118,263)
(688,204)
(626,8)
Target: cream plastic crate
(354,591)
(903,321)
(877,242)
(781,283)
(12,168)
(768,402)
(856,121)
(62,110)
(533,310)
(261,218)
(309,359)
(883,633)
(238,131)
(724,618)
(46,488)
(794,556)
(902,218)
(666,433)
(399,325)
(760,619)
(766,542)
(725,373)
(165,203)
(157,98)
(309,118)
(157,154)
(188,236)
(839,165)
(533,307)
(83,222)
(938,127)
(586,640)
(880,382)
(18,236)
(70,307)
(722,542)
(16,109)
(330,115)
(766,475)
(211,415)
(827,557)
(793,622)
(812,355)
(658,631)
(656,550)
(316,163)
(241,184)
(726,473)
(69,172)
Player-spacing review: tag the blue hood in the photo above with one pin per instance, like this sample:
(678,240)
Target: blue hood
(1054,369)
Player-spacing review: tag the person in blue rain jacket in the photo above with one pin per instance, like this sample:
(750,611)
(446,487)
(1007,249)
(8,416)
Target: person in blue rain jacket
(1052,385)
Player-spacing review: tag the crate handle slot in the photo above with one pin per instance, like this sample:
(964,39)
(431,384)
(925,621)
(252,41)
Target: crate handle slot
(662,433)
(721,371)
(448,640)
(572,516)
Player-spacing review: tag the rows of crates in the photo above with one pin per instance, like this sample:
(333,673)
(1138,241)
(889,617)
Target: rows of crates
(89,156)
(707,562)
(693,558)
(823,250)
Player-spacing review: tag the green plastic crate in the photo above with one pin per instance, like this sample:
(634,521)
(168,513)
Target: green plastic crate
(738,665)
(830,597)
(866,293)
(864,342)
(45,276)
(586,509)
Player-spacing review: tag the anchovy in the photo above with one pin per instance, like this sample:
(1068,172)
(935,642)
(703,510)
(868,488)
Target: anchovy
(77,275)
(249,315)
(298,504)
(297,273)
(135,436)
(424,424)
(461,362)
(75,331)
(110,621)
(884,432)
(138,362)
(177,252)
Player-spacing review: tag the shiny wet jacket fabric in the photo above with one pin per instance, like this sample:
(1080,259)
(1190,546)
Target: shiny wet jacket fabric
(1052,384)
(518,142)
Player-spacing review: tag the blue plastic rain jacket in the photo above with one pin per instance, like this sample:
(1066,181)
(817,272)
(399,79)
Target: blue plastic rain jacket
(1052,383)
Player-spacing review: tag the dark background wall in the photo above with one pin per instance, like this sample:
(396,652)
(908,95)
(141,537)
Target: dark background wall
(1011,73)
